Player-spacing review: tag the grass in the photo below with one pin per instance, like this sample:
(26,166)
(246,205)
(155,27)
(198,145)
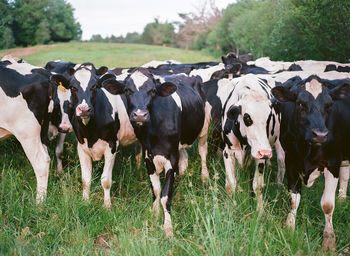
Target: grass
(206,220)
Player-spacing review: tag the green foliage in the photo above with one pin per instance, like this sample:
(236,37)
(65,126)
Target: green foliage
(130,38)
(36,22)
(158,33)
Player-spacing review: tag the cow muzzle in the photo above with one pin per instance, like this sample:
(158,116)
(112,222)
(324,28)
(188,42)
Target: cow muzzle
(140,116)
(264,154)
(64,128)
(84,112)
(319,136)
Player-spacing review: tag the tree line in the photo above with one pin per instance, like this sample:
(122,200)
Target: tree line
(28,22)
(282,29)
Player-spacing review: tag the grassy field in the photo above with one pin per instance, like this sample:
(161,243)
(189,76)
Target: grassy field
(206,220)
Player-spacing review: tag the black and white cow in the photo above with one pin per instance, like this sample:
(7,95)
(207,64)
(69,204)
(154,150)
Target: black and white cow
(308,130)
(60,123)
(249,120)
(167,115)
(100,122)
(25,93)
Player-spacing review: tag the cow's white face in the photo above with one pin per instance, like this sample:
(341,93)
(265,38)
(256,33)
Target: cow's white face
(254,113)
(64,98)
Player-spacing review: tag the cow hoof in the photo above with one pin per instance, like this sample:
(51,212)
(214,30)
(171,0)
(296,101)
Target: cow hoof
(205,178)
(290,223)
(168,230)
(229,190)
(107,205)
(328,242)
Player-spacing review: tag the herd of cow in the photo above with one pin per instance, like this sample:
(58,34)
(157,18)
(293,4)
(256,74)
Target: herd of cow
(301,108)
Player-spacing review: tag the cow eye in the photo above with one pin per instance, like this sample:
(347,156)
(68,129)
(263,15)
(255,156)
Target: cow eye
(247,120)
(302,105)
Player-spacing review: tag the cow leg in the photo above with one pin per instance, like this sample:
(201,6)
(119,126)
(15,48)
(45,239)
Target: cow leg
(183,162)
(280,162)
(40,160)
(86,169)
(258,184)
(138,155)
(106,178)
(59,151)
(294,186)
(327,204)
(203,151)
(155,182)
(229,161)
(343,179)
(167,195)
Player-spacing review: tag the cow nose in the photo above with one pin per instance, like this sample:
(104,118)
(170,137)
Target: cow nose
(64,128)
(319,135)
(84,110)
(264,154)
(140,115)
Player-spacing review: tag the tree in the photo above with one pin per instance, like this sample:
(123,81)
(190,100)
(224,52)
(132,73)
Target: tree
(6,36)
(158,33)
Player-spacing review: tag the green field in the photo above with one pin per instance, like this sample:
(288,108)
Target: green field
(206,220)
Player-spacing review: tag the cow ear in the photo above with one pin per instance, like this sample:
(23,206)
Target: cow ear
(233,112)
(341,92)
(282,94)
(223,58)
(166,89)
(113,86)
(101,70)
(103,78)
(60,80)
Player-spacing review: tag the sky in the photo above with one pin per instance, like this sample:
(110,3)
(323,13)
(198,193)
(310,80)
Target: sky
(118,17)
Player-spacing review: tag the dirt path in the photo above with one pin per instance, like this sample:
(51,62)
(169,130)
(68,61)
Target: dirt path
(28,50)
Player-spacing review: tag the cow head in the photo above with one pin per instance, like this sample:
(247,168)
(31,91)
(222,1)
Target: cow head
(140,87)
(312,103)
(232,63)
(250,120)
(79,90)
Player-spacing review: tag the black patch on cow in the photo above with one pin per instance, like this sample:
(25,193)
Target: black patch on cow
(261,167)
(294,67)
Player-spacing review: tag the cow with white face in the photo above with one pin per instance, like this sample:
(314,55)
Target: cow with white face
(99,120)
(167,115)
(250,120)
(25,93)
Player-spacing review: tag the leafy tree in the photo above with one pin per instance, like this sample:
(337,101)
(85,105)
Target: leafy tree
(6,35)
(158,33)
(42,34)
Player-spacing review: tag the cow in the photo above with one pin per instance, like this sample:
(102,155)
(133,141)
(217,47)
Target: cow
(156,63)
(25,93)
(308,131)
(250,120)
(100,122)
(167,115)
(60,124)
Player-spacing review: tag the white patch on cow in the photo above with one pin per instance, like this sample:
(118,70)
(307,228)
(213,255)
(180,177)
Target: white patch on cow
(96,151)
(52,132)
(312,178)
(160,162)
(177,99)
(155,181)
(314,87)
(270,66)
(50,108)
(126,134)
(343,179)
(168,228)
(156,63)
(64,96)
(295,201)
(59,151)
(139,79)
(183,161)
(328,204)
(206,73)
(22,68)
(83,76)
(17,119)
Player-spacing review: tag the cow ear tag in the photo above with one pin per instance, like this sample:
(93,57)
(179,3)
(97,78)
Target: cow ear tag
(61,87)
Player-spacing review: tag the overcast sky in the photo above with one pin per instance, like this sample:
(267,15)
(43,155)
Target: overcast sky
(117,17)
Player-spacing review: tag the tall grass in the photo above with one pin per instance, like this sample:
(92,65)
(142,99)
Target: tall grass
(206,220)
